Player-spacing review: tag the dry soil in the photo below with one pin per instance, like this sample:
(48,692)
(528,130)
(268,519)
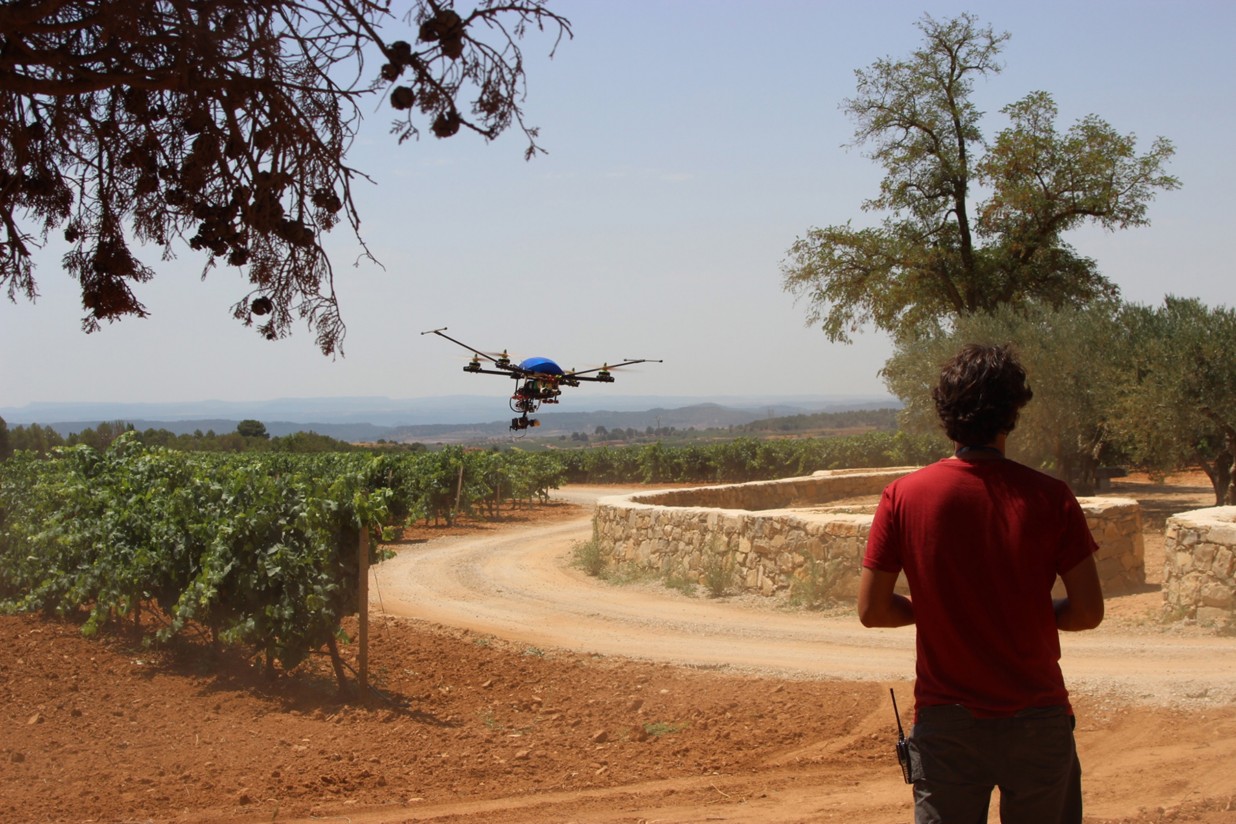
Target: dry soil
(511,687)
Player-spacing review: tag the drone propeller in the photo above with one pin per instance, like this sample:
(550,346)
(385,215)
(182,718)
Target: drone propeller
(603,372)
(501,360)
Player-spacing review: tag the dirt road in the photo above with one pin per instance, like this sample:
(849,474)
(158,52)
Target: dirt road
(519,585)
(1156,704)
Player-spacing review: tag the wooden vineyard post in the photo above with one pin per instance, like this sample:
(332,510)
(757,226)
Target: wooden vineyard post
(363,598)
(459,488)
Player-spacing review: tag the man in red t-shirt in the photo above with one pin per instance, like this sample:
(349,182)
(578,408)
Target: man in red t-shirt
(981,540)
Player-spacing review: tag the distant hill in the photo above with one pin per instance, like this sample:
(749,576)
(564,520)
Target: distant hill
(554,423)
(456,419)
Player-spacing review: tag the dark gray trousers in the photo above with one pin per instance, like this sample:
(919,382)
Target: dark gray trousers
(958,760)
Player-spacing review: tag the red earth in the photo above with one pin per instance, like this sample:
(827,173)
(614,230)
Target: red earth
(468,727)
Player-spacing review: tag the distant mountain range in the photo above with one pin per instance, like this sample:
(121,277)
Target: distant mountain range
(455,418)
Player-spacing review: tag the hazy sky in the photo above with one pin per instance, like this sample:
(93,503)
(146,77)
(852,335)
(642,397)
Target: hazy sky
(690,143)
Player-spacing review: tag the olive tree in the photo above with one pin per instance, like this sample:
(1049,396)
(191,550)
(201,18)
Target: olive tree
(250,428)
(968,225)
(226,124)
(1073,358)
(1176,400)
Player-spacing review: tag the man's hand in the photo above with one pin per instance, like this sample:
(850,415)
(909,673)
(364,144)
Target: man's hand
(1082,608)
(878,605)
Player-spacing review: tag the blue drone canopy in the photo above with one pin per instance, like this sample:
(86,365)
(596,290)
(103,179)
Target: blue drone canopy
(543,366)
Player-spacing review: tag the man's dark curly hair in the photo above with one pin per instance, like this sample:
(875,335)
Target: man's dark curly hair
(981,390)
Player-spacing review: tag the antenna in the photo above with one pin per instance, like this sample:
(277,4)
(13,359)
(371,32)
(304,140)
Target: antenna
(903,746)
(901,733)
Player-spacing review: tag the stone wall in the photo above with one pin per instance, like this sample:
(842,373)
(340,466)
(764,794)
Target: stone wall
(792,536)
(1116,524)
(1199,566)
(822,487)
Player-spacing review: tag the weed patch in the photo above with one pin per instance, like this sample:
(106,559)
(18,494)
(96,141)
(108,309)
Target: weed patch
(658,728)
(718,570)
(813,588)
(587,556)
(628,574)
(681,583)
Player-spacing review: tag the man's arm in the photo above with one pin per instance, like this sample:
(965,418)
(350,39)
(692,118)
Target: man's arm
(1082,606)
(878,605)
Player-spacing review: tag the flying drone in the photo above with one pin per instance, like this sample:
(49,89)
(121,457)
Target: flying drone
(540,379)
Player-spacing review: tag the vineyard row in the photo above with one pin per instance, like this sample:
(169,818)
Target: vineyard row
(262,549)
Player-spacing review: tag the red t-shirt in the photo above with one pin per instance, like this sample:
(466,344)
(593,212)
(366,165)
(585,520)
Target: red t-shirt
(981,543)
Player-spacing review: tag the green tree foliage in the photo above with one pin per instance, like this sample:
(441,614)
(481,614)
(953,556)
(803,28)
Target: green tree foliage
(307,442)
(252,429)
(225,124)
(1176,400)
(1072,358)
(35,438)
(41,439)
(940,252)
(879,419)
(6,446)
(100,436)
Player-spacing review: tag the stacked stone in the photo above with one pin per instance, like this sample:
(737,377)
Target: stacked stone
(750,529)
(1116,524)
(761,535)
(1199,575)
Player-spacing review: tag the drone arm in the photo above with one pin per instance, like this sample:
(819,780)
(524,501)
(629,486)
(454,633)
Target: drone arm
(476,352)
(605,377)
(513,374)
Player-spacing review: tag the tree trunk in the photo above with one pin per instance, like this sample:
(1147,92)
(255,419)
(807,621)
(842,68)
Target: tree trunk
(1088,472)
(1225,462)
(1224,479)
(1220,473)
